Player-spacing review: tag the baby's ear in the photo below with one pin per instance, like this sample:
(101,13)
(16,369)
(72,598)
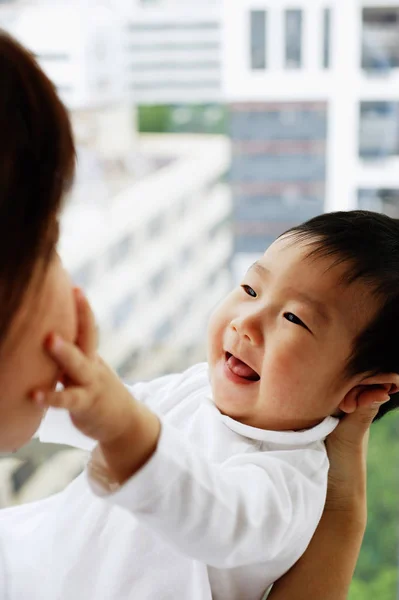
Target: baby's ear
(376,388)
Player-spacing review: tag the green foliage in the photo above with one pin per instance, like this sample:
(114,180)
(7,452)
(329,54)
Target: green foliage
(358,590)
(153,119)
(376,575)
(185,118)
(383,587)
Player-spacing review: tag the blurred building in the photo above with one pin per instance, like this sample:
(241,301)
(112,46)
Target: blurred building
(174,51)
(147,230)
(313,93)
(79,44)
(154,257)
(152,250)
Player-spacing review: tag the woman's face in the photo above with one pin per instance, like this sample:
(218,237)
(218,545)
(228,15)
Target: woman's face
(24,365)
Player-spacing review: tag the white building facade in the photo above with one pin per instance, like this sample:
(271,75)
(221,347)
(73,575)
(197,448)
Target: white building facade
(147,231)
(313,91)
(78,43)
(174,51)
(155,258)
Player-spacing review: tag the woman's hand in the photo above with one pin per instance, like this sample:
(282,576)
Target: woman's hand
(326,569)
(347,451)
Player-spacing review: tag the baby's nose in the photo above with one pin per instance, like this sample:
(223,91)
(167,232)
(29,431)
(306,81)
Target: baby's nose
(249,328)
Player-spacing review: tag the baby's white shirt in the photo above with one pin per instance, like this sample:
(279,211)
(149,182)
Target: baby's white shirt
(221,510)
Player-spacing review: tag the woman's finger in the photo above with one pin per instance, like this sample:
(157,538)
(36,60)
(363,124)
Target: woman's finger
(353,429)
(71,361)
(87,329)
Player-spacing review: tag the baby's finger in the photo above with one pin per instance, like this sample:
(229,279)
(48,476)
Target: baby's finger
(87,329)
(72,362)
(74,399)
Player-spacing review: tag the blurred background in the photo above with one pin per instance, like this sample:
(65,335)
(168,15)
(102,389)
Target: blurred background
(204,130)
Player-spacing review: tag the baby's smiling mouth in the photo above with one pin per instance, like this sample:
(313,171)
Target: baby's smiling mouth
(240,368)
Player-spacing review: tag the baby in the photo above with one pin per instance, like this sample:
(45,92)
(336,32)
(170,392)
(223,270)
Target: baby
(214,480)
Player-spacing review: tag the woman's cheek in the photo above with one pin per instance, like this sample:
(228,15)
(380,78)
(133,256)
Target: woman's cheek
(67,320)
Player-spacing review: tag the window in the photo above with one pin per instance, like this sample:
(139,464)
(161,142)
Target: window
(84,276)
(186,256)
(163,330)
(213,279)
(164,26)
(379,129)
(293,39)
(278,168)
(53,56)
(381,200)
(155,227)
(173,46)
(129,365)
(380,39)
(119,251)
(278,122)
(219,226)
(326,38)
(175,65)
(176,85)
(123,311)
(158,281)
(258,39)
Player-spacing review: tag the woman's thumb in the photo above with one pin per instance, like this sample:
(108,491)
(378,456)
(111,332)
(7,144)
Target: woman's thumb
(354,426)
(368,404)
(365,414)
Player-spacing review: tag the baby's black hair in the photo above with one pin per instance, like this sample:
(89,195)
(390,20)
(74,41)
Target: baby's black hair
(368,243)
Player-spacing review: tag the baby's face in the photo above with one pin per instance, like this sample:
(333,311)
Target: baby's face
(279,343)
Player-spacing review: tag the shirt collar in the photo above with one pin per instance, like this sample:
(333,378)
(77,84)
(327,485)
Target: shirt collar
(285,438)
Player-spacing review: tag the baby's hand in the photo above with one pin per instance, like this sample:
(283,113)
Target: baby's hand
(99,404)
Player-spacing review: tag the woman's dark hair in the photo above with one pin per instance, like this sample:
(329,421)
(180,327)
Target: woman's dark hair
(368,243)
(37,164)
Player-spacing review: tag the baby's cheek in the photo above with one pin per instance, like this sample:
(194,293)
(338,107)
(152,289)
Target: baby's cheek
(288,371)
(216,328)
(284,361)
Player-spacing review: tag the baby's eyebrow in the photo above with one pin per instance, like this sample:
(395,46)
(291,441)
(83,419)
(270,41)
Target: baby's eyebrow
(316,305)
(261,269)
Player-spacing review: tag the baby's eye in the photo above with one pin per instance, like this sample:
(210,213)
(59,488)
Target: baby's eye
(250,291)
(296,320)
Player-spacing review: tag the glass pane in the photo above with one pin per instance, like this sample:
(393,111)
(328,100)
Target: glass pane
(293,39)
(379,129)
(258,39)
(380,200)
(380,39)
(278,169)
(326,37)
